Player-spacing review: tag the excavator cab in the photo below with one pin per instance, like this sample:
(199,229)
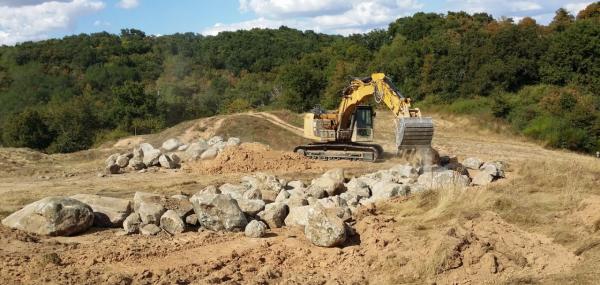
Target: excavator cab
(363,124)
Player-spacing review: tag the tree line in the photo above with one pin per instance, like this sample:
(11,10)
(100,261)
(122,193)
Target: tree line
(69,94)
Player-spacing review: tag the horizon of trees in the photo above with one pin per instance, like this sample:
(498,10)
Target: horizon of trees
(69,94)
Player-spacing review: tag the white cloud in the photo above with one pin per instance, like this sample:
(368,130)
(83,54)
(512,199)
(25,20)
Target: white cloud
(37,21)
(328,16)
(542,11)
(574,8)
(99,23)
(128,4)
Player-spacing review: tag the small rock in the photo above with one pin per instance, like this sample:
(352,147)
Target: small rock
(251,207)
(132,223)
(274,215)
(255,229)
(171,222)
(150,230)
(191,220)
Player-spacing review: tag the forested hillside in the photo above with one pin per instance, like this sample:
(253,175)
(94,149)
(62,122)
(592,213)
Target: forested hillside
(68,94)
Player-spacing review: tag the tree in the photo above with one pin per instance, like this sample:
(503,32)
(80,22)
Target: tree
(590,12)
(562,20)
(27,129)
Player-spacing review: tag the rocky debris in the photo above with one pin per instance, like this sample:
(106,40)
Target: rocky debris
(274,215)
(472,163)
(171,222)
(214,140)
(52,216)
(132,223)
(150,213)
(171,144)
(108,211)
(150,230)
(218,212)
(255,229)
(323,228)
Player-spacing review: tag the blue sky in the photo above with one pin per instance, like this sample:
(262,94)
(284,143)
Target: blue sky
(23,20)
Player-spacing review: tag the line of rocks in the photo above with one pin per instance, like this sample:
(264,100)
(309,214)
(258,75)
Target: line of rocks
(170,155)
(324,209)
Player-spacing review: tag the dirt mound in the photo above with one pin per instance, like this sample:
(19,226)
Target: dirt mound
(251,157)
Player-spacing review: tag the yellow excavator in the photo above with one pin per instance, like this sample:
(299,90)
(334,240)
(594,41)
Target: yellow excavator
(345,132)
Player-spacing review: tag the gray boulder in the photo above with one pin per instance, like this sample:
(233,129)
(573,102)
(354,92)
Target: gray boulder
(298,216)
(171,144)
(268,185)
(175,159)
(274,215)
(171,222)
(324,229)
(296,201)
(145,147)
(255,229)
(331,182)
(108,211)
(251,207)
(113,169)
(166,162)
(495,169)
(443,179)
(183,147)
(195,150)
(122,161)
(472,163)
(52,216)
(386,190)
(482,178)
(210,153)
(112,159)
(132,223)
(150,213)
(218,212)
(137,163)
(191,220)
(150,230)
(282,196)
(358,187)
(215,140)
(252,194)
(140,197)
(151,157)
(235,191)
(296,184)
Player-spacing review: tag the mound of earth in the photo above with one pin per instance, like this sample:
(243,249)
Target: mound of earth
(251,157)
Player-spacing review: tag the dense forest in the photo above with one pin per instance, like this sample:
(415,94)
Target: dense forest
(64,95)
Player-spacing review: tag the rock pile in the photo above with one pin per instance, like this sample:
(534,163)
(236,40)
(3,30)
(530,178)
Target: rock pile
(324,208)
(170,155)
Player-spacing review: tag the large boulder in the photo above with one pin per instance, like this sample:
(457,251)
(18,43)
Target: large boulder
(150,213)
(171,222)
(235,191)
(251,207)
(151,157)
(218,212)
(171,144)
(358,187)
(331,182)
(255,229)
(108,211)
(210,153)
(53,216)
(112,159)
(443,179)
(166,162)
(274,215)
(385,190)
(472,163)
(298,216)
(145,147)
(195,150)
(140,197)
(482,178)
(122,161)
(113,169)
(324,228)
(268,185)
(495,169)
(132,223)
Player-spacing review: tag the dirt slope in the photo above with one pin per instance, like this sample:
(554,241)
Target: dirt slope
(540,225)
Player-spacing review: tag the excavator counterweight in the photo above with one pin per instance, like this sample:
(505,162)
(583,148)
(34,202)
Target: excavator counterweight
(345,132)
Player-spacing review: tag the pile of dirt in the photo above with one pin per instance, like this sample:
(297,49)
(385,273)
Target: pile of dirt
(251,157)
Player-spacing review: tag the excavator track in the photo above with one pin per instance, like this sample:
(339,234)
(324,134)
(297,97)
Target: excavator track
(338,151)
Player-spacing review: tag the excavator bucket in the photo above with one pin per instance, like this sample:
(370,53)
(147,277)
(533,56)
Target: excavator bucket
(413,133)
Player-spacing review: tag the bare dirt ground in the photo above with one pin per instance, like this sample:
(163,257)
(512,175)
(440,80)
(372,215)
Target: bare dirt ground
(540,225)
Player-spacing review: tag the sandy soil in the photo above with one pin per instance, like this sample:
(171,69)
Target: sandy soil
(537,226)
